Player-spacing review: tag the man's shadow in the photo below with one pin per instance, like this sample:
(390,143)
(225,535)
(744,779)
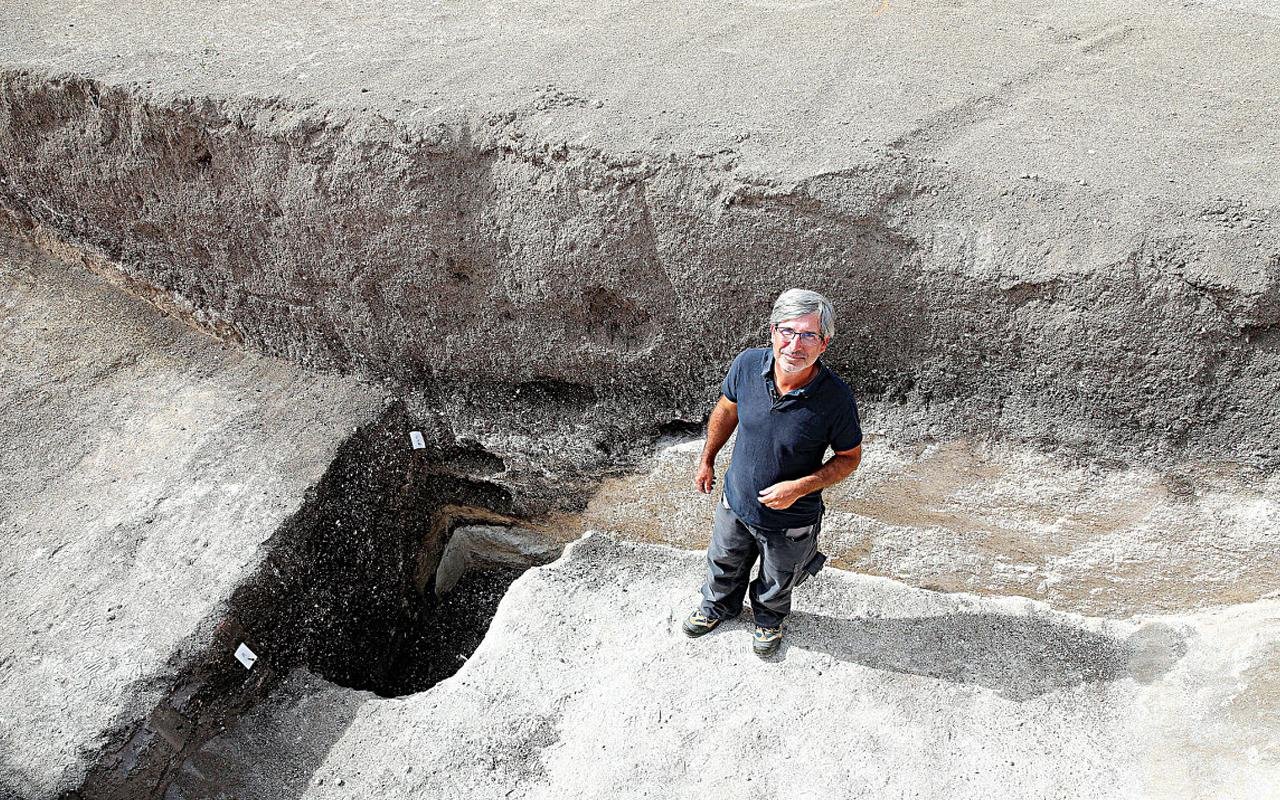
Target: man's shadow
(1017,656)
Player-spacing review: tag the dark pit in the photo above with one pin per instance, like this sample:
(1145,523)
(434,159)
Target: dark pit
(347,592)
(447,631)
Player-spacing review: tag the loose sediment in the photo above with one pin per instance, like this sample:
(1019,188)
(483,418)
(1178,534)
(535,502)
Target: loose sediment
(338,592)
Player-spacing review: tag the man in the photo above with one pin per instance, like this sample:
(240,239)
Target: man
(788,407)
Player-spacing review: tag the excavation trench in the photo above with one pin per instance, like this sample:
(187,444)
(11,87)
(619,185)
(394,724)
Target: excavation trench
(352,589)
(553,275)
(972,309)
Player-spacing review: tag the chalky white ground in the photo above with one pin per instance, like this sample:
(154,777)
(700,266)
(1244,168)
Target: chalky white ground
(142,465)
(586,687)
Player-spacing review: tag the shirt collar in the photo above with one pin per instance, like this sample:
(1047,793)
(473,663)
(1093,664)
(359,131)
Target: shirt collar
(803,391)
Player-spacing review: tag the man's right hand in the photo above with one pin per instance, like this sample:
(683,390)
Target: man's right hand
(724,418)
(705,480)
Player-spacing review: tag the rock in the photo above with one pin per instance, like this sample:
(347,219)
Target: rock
(490,546)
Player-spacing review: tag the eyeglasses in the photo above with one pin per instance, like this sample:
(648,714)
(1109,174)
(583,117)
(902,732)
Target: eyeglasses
(806,337)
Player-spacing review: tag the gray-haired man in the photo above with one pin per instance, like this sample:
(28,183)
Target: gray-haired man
(788,408)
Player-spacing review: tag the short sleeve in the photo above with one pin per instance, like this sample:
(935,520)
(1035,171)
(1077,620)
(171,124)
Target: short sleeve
(846,430)
(733,379)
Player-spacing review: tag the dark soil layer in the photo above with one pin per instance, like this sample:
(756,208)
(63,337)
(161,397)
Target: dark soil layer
(468,258)
(447,632)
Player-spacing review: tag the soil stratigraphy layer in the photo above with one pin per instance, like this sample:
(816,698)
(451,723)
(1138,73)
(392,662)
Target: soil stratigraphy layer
(585,687)
(597,203)
(143,467)
(998,518)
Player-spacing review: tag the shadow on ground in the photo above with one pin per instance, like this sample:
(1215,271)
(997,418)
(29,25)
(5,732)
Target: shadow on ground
(275,750)
(1018,657)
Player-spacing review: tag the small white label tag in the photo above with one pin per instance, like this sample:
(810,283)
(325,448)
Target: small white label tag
(246,656)
(418,442)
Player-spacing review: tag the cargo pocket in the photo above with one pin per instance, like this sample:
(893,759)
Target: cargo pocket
(796,534)
(810,568)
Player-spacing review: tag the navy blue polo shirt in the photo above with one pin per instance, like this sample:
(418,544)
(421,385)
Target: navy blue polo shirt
(785,438)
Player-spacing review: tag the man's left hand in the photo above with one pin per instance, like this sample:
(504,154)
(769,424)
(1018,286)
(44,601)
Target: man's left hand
(781,495)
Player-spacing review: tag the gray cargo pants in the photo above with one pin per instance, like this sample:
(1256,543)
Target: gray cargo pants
(787,557)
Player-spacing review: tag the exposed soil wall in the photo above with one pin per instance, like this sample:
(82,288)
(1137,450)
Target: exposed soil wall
(470,258)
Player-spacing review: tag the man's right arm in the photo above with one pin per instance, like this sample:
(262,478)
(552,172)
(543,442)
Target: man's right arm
(724,418)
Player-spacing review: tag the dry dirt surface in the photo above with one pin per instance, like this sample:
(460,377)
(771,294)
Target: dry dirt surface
(585,686)
(143,467)
(998,518)
(536,235)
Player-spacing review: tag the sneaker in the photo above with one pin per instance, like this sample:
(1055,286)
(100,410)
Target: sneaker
(699,624)
(765,641)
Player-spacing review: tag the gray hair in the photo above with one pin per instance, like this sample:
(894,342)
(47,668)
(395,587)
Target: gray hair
(799,302)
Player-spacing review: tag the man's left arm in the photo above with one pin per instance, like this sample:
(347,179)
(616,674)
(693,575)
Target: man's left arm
(840,466)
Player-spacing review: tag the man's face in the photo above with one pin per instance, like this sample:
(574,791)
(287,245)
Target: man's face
(797,355)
